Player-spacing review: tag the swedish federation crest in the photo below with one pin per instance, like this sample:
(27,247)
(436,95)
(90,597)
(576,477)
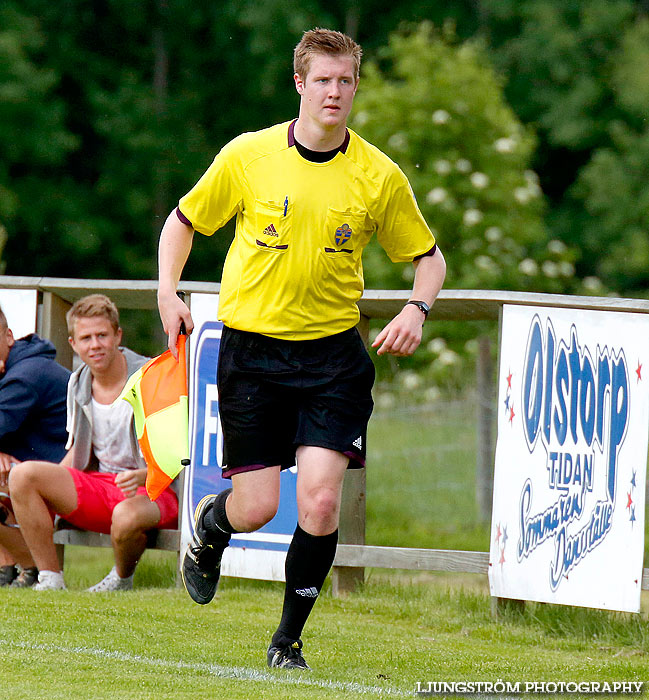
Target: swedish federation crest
(343,234)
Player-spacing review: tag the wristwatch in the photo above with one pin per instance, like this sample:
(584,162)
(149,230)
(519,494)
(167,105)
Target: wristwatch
(421,305)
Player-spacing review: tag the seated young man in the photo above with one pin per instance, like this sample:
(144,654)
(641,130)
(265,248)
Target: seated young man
(99,484)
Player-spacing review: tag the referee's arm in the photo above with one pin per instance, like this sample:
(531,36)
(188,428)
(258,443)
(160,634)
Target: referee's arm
(401,337)
(174,248)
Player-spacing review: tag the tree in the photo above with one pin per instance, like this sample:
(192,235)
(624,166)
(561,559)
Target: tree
(578,72)
(109,112)
(137,98)
(146,115)
(33,137)
(614,184)
(437,108)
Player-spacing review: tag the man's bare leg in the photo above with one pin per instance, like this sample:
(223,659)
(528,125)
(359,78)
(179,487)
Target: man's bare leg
(132,519)
(37,487)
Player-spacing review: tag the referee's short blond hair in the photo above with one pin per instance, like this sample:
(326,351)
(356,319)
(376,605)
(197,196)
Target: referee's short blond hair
(328,42)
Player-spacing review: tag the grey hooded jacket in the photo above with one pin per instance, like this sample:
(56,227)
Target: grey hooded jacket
(79,413)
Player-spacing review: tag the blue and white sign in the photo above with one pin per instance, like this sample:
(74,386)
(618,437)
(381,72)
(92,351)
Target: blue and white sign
(258,555)
(569,482)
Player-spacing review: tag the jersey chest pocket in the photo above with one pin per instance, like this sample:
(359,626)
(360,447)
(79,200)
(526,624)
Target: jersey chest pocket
(272,226)
(345,232)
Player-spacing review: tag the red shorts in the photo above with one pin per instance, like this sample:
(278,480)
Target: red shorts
(97,496)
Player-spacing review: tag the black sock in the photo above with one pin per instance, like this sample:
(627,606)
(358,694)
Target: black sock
(216,522)
(308,561)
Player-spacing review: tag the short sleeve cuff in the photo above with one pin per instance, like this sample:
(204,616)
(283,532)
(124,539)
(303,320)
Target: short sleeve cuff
(183,218)
(426,254)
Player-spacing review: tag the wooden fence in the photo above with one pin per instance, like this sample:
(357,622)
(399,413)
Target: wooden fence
(56,295)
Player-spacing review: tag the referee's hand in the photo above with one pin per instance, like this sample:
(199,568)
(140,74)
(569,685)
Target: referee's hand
(173,313)
(401,337)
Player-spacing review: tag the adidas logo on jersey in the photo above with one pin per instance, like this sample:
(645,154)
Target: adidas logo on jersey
(270,230)
(358,443)
(307,592)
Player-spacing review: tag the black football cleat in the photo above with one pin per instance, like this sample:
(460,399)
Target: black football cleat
(201,567)
(289,657)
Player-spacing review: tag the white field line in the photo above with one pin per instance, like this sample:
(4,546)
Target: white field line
(216,670)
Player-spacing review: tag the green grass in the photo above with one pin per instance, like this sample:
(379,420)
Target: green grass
(399,629)
(421,477)
(154,643)
(421,480)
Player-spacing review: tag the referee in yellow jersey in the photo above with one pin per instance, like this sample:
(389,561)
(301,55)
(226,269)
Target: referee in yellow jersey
(294,377)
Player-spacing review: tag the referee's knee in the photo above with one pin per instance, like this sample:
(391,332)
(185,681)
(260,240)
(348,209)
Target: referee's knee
(320,508)
(258,517)
(251,515)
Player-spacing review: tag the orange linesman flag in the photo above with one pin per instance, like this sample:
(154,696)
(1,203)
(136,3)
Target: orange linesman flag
(158,394)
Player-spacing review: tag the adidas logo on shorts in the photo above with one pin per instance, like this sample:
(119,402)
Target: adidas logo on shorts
(307,592)
(358,443)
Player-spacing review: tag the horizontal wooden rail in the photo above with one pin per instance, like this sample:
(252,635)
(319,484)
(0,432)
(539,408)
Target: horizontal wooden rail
(415,559)
(168,540)
(357,555)
(347,555)
(452,304)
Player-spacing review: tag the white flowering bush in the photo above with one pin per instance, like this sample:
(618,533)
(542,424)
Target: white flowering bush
(437,108)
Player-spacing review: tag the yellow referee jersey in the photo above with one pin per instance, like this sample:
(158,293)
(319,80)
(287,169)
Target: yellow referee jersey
(294,268)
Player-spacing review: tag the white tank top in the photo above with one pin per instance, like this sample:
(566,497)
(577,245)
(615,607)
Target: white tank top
(111,438)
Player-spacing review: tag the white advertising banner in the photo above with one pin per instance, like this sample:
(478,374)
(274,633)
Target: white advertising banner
(19,306)
(569,482)
(260,554)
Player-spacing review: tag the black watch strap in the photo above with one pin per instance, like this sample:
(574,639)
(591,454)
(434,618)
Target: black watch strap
(421,305)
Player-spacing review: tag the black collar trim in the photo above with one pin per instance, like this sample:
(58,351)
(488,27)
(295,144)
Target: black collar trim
(315,156)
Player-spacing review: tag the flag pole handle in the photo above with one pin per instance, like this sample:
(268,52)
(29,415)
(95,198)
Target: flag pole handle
(183,330)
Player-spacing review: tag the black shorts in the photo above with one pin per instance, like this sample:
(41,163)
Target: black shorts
(275,395)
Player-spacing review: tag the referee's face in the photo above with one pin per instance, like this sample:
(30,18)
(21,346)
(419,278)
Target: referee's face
(328,90)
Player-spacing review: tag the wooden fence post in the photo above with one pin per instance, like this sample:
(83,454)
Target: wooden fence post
(346,579)
(54,327)
(485,448)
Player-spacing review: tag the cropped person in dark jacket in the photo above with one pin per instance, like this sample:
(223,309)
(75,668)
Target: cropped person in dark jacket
(33,390)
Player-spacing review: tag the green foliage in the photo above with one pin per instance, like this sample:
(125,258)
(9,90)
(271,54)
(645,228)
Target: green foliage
(614,187)
(614,184)
(578,71)
(32,135)
(629,75)
(437,108)
(555,54)
(145,114)
(110,112)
